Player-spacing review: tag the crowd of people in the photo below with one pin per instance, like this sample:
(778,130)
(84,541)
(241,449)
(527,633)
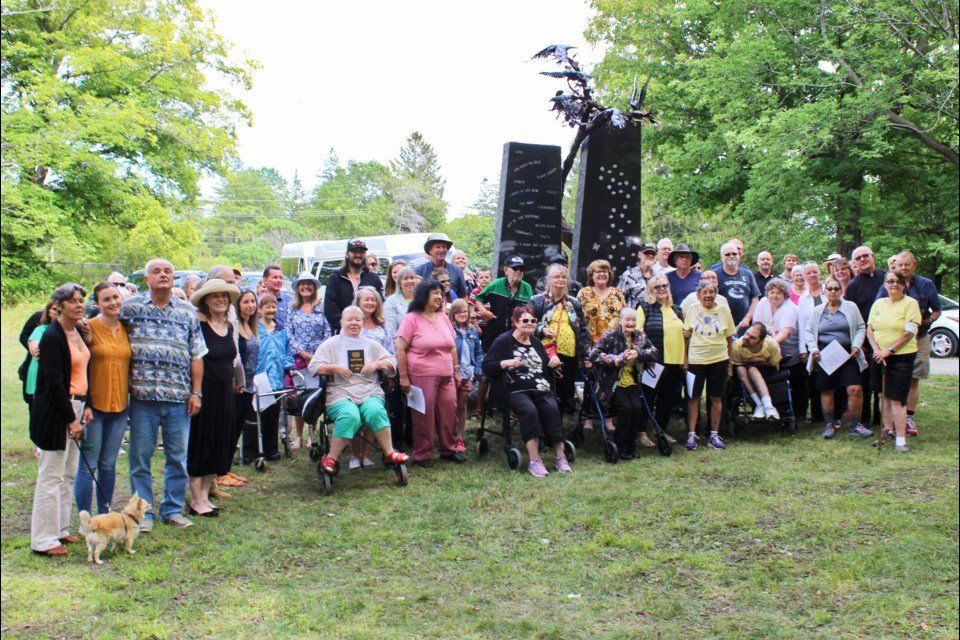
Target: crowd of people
(120,367)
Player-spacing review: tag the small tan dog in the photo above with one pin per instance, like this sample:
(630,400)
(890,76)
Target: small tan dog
(108,528)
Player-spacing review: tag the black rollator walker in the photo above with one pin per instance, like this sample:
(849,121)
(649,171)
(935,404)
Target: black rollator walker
(514,454)
(260,462)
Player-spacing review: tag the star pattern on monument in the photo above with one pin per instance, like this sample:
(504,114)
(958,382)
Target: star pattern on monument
(617,184)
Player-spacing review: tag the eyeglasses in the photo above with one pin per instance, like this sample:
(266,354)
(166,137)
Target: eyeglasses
(527,321)
(862,256)
(727,255)
(447,281)
(661,287)
(896,282)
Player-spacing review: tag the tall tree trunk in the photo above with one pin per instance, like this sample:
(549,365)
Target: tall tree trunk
(849,211)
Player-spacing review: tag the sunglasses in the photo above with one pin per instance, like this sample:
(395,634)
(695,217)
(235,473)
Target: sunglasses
(661,287)
(527,321)
(444,281)
(862,256)
(896,282)
(833,288)
(727,255)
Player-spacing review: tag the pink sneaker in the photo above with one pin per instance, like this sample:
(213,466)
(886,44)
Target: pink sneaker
(537,469)
(459,446)
(562,465)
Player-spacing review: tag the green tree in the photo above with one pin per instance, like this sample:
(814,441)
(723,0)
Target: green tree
(488,198)
(809,127)
(473,234)
(418,161)
(105,105)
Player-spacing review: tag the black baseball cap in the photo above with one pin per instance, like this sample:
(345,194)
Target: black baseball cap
(646,246)
(558,258)
(514,262)
(356,245)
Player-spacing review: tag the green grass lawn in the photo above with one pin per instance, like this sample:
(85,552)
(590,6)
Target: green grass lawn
(777,537)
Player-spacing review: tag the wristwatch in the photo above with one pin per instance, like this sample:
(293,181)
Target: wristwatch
(197,393)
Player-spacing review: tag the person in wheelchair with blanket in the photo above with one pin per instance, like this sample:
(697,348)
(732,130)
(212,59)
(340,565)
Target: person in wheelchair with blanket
(756,357)
(354,397)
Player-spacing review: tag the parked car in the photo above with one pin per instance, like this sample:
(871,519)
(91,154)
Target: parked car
(944,334)
(138,278)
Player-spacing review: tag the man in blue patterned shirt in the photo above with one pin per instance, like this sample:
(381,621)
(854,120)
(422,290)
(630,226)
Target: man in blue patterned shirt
(166,366)
(273,281)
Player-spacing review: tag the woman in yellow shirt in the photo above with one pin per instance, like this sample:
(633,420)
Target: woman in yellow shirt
(662,322)
(105,415)
(709,329)
(892,332)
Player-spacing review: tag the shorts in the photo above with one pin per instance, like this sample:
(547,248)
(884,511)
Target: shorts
(848,375)
(921,366)
(715,377)
(893,379)
(349,417)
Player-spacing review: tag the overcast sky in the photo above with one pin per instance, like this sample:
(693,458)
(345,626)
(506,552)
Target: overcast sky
(360,76)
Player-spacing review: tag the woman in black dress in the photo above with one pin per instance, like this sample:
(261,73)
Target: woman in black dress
(212,431)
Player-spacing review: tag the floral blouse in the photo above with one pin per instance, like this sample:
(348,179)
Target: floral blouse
(602,314)
(306,332)
(382,336)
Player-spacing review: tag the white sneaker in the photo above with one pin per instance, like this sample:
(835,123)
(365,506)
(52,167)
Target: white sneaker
(367,463)
(354,464)
(772,413)
(758,413)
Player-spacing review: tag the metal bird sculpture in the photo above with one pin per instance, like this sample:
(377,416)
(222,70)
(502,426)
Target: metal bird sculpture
(569,106)
(561,52)
(575,76)
(636,100)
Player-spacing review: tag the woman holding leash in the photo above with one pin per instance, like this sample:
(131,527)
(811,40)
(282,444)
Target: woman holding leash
(55,417)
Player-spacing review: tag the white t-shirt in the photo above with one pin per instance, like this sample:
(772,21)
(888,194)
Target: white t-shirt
(359,387)
(786,317)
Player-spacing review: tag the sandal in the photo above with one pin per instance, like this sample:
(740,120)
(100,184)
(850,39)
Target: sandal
(395,457)
(645,440)
(329,465)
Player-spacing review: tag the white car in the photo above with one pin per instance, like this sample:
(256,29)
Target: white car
(944,334)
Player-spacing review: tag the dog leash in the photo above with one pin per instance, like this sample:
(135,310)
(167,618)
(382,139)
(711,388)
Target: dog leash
(95,481)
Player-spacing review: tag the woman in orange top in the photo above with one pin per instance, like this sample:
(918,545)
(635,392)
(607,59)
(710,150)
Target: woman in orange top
(105,415)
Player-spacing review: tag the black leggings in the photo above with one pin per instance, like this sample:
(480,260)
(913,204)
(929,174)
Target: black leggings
(566,390)
(630,411)
(804,393)
(663,397)
(538,415)
(270,424)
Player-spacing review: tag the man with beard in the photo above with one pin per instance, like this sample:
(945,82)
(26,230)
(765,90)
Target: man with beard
(344,282)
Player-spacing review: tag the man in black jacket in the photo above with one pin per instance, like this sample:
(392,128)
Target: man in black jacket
(862,291)
(343,283)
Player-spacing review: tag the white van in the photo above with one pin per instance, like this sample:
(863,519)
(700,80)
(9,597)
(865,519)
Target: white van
(323,257)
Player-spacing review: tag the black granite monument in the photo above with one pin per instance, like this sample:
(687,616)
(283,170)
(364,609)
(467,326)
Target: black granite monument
(528,217)
(607,222)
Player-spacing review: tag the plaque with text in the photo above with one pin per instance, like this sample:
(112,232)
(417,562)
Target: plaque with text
(528,217)
(608,220)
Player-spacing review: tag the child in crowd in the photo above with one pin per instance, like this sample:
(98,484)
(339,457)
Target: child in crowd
(470,355)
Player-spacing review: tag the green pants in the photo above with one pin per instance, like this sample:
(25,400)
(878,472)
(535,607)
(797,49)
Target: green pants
(348,417)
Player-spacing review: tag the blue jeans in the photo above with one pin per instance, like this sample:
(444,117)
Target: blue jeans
(99,449)
(172,418)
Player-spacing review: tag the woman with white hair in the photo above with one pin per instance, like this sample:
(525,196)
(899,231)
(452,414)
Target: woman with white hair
(562,327)
(355,399)
(620,356)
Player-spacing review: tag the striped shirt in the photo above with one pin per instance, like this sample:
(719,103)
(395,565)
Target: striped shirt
(163,342)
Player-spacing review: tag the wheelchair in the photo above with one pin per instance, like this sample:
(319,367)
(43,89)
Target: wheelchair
(514,455)
(321,432)
(738,410)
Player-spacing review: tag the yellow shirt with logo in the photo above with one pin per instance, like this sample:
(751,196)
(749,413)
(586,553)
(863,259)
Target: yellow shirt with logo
(711,329)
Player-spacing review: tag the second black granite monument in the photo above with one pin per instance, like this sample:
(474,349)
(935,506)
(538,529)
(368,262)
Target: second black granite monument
(528,217)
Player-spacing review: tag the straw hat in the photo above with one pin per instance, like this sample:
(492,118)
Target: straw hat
(214,285)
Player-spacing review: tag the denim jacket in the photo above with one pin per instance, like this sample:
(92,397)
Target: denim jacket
(274,357)
(469,349)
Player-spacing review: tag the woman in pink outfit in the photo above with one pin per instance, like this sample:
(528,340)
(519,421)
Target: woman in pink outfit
(427,358)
